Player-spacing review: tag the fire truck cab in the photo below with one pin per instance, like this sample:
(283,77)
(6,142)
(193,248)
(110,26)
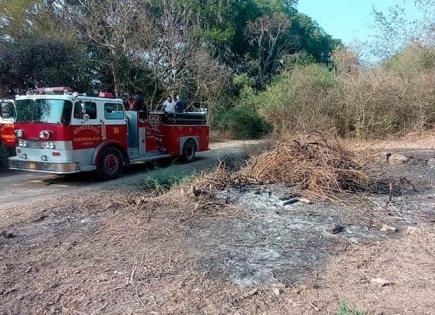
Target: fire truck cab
(70,133)
(7,119)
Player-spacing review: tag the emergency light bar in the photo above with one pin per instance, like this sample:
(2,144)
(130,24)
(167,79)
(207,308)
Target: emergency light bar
(106,95)
(54,90)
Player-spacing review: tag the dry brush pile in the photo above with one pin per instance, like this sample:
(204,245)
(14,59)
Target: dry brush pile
(320,168)
(314,166)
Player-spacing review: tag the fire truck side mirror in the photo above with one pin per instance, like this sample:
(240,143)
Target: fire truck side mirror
(6,109)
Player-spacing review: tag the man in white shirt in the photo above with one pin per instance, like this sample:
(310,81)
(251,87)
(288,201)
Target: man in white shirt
(169,105)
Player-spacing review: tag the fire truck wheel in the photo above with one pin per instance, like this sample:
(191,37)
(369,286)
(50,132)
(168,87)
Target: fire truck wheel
(189,150)
(110,164)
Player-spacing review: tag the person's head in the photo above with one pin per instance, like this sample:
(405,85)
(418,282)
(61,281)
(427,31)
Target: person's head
(169,98)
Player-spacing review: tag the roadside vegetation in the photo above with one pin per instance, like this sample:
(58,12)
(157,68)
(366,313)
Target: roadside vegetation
(164,180)
(352,100)
(346,310)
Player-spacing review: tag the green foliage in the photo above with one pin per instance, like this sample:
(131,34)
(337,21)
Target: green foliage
(271,6)
(219,36)
(241,122)
(55,47)
(344,309)
(43,62)
(298,99)
(16,9)
(412,58)
(298,59)
(240,119)
(164,180)
(309,37)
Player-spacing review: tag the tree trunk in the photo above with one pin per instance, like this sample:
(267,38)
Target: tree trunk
(115,78)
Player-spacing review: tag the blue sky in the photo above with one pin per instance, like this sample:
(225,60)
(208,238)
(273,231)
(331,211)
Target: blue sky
(350,20)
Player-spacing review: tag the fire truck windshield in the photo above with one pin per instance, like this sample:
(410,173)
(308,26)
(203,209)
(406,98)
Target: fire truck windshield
(44,110)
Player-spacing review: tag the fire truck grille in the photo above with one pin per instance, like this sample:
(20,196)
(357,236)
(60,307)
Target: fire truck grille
(32,144)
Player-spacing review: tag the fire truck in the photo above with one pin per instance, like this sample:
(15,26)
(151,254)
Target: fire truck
(7,119)
(61,132)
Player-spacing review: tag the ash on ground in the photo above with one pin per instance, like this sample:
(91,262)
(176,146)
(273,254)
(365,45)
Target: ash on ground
(273,242)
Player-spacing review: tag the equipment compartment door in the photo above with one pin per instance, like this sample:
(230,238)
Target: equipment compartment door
(132,129)
(142,141)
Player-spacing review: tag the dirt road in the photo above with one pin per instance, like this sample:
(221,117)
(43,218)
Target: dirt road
(20,188)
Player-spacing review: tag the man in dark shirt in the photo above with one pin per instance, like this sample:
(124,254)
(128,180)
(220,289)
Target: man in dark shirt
(139,102)
(180,105)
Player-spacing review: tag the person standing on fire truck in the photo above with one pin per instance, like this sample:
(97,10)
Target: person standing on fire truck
(139,102)
(180,105)
(169,105)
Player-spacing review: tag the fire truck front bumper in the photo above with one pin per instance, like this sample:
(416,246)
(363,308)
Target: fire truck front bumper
(16,163)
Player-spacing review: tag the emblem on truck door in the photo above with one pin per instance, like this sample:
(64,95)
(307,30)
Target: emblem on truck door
(86,137)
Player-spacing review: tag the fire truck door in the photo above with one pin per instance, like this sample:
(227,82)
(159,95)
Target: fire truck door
(142,141)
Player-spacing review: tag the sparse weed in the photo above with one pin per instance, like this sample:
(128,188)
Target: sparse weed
(344,309)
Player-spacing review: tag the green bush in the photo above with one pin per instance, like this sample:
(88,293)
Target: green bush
(299,99)
(164,180)
(242,122)
(240,119)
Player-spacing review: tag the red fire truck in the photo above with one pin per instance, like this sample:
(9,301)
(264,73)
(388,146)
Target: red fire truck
(7,119)
(68,133)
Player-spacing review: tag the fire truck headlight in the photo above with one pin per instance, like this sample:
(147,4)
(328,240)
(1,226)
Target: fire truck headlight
(24,156)
(45,135)
(23,143)
(19,133)
(50,145)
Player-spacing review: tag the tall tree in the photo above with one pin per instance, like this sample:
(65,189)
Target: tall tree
(268,36)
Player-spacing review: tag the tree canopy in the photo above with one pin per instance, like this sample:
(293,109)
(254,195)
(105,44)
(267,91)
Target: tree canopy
(187,47)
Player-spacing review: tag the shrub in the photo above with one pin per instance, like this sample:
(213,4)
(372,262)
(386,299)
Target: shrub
(162,181)
(396,97)
(352,100)
(242,122)
(299,99)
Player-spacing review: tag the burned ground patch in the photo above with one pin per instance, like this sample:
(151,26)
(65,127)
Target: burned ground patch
(272,242)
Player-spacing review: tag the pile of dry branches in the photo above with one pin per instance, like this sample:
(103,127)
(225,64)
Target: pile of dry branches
(315,167)
(320,168)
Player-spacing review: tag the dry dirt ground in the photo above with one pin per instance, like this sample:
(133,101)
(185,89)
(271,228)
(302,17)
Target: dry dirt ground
(105,249)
